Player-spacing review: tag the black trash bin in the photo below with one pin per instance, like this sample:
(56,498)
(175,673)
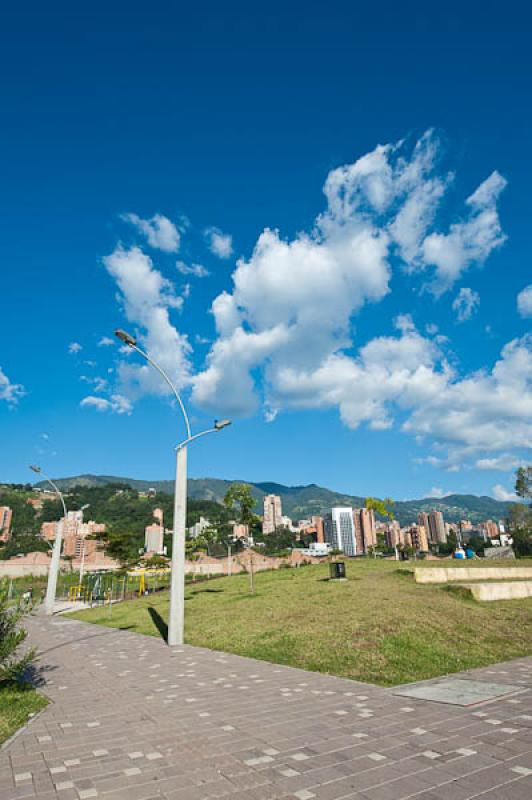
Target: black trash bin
(337,570)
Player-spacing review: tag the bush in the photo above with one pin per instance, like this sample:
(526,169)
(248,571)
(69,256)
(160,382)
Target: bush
(12,664)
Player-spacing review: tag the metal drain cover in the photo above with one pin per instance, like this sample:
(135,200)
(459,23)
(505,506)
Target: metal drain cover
(457,692)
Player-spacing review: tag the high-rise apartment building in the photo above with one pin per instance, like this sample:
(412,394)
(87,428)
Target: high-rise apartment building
(317,523)
(365,529)
(392,534)
(5,522)
(273,514)
(339,528)
(491,529)
(423,519)
(154,534)
(418,536)
(436,527)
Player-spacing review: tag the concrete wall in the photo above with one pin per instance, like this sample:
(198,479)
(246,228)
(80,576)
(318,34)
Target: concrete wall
(510,590)
(460,574)
(14,570)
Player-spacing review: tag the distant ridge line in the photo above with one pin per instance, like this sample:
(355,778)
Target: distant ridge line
(300,502)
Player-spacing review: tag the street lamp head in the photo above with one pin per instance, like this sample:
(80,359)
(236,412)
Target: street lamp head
(221,423)
(125,337)
(35,468)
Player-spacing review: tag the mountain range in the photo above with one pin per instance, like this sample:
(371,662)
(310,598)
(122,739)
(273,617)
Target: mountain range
(300,502)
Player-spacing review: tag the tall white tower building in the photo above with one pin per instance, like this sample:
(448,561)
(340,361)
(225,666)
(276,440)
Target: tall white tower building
(340,530)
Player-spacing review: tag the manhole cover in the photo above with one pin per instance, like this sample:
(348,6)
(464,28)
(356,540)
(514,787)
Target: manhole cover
(457,692)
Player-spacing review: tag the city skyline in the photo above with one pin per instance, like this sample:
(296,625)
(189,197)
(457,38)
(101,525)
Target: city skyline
(346,277)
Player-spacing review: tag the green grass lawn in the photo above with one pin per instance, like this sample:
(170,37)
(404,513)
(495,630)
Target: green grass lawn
(379,626)
(16,705)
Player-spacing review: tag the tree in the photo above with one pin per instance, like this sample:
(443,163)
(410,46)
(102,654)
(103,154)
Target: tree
(519,524)
(12,665)
(381,507)
(156,561)
(22,543)
(122,544)
(239,501)
(478,544)
(24,517)
(279,542)
(523,482)
(448,547)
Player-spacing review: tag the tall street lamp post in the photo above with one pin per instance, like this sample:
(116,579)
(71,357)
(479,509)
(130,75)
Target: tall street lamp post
(53,572)
(82,565)
(176,618)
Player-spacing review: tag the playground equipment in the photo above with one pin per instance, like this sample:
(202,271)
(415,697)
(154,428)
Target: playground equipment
(142,573)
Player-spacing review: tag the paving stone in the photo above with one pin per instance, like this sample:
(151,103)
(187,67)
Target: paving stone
(255,731)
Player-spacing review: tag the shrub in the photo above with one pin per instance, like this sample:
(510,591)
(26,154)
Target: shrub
(12,663)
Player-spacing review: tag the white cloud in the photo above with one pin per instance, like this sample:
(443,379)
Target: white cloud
(197,270)
(74,347)
(105,341)
(505,462)
(485,412)
(524,301)
(147,299)
(220,244)
(99,384)
(469,242)
(500,493)
(466,303)
(436,491)
(284,329)
(160,232)
(10,392)
(117,404)
(404,323)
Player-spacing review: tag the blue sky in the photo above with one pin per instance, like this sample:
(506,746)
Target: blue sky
(361,348)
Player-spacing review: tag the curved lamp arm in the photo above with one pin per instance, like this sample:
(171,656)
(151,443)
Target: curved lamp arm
(219,425)
(39,471)
(132,342)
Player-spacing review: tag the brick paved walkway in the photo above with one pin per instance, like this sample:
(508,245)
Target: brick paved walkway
(132,719)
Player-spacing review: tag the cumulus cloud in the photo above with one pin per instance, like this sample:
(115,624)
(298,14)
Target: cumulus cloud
(10,392)
(74,347)
(159,231)
(436,492)
(147,298)
(105,341)
(465,304)
(284,330)
(500,493)
(287,322)
(487,411)
(117,404)
(99,384)
(197,270)
(470,241)
(220,244)
(505,463)
(524,301)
